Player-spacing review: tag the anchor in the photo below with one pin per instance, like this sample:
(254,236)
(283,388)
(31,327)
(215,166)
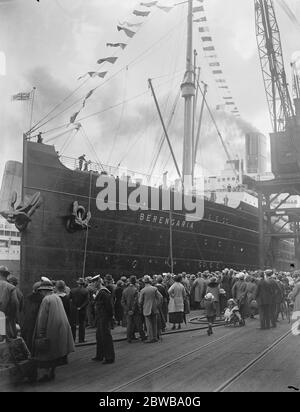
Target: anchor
(79,219)
(20,216)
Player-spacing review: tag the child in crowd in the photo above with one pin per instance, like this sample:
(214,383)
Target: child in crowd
(211,311)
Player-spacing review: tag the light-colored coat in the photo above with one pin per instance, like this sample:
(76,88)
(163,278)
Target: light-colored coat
(295,295)
(150,299)
(52,323)
(177,295)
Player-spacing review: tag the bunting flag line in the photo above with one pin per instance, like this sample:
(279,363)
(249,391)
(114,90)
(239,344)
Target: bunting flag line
(203,29)
(214,64)
(93,74)
(127,23)
(111,60)
(122,45)
(150,4)
(128,32)
(141,13)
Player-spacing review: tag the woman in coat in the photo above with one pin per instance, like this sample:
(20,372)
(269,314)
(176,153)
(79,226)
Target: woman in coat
(53,339)
(177,295)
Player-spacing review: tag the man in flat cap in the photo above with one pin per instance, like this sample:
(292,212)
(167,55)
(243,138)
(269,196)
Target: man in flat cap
(8,303)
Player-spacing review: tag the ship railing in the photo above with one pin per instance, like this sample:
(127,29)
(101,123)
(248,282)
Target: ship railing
(117,172)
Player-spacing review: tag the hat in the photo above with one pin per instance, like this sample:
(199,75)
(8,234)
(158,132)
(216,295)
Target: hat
(268,272)
(45,279)
(45,286)
(132,279)
(124,278)
(209,296)
(147,279)
(36,286)
(193,276)
(4,270)
(222,292)
(95,278)
(80,281)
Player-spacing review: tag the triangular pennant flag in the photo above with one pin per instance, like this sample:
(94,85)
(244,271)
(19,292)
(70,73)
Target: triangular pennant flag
(127,23)
(73,117)
(198,8)
(141,13)
(93,74)
(150,4)
(206,38)
(128,32)
(165,8)
(87,96)
(203,29)
(98,74)
(200,19)
(111,60)
(122,45)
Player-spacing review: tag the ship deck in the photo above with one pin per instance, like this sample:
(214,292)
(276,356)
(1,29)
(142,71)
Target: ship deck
(232,359)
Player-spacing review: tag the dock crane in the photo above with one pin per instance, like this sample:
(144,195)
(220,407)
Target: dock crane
(285,140)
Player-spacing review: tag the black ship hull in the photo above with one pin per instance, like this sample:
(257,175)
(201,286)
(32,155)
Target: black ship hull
(122,242)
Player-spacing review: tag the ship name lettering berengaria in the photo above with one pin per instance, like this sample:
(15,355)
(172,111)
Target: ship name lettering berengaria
(129,195)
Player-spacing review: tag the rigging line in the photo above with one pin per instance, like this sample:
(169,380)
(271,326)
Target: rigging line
(92,147)
(291,15)
(37,125)
(102,111)
(120,118)
(133,61)
(99,112)
(66,143)
(163,137)
(216,127)
(57,136)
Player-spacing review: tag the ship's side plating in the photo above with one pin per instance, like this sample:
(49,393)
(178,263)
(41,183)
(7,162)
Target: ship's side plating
(121,241)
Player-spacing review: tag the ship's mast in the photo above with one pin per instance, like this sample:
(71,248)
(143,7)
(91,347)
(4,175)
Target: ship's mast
(188,93)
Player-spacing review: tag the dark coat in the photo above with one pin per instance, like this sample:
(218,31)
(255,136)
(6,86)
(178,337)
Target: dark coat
(103,304)
(117,305)
(31,310)
(79,298)
(264,293)
(210,308)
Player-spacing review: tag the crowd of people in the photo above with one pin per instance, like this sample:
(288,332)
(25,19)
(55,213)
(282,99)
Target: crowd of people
(50,317)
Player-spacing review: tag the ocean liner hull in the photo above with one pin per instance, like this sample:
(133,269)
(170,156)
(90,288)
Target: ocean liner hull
(121,242)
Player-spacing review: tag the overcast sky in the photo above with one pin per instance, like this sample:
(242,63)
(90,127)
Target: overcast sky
(50,43)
